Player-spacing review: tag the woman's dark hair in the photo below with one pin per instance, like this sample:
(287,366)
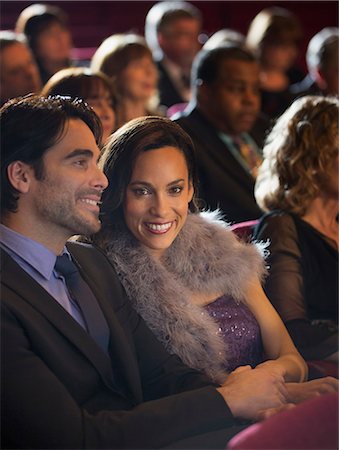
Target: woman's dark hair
(37,18)
(116,52)
(78,82)
(121,151)
(32,124)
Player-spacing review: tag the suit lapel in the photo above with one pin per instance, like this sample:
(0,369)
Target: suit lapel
(122,356)
(17,280)
(219,151)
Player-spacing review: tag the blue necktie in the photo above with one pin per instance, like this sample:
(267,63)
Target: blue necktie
(81,293)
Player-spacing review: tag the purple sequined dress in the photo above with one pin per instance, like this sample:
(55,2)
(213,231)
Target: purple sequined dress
(239,329)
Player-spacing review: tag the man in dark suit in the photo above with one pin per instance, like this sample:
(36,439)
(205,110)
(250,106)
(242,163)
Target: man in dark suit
(223,121)
(64,384)
(172,31)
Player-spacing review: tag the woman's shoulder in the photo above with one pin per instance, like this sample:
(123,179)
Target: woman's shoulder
(277,219)
(277,226)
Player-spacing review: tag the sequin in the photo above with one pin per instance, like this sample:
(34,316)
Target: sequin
(239,329)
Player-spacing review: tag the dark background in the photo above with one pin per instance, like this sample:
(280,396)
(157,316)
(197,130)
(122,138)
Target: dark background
(92,21)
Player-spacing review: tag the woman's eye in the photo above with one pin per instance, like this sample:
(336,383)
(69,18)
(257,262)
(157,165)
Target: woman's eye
(141,191)
(176,190)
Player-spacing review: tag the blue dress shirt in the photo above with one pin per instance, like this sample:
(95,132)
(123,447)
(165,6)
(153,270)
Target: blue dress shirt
(38,261)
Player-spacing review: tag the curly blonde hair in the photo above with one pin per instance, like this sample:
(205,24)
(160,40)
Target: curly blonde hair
(300,149)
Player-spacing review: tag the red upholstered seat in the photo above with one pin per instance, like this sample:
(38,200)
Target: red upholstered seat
(310,425)
(244,230)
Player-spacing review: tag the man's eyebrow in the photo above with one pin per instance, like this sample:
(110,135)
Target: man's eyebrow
(80,152)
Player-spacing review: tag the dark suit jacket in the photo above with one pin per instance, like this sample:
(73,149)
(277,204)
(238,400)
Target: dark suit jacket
(60,390)
(307,86)
(224,183)
(168,93)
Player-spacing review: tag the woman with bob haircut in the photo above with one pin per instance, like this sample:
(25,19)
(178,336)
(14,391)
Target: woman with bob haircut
(128,62)
(94,88)
(195,284)
(47,31)
(274,36)
(298,187)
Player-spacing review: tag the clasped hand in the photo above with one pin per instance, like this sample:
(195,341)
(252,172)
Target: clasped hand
(259,393)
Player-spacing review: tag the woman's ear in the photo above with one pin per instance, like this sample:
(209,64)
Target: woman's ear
(20,175)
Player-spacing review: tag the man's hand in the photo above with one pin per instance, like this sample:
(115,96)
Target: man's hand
(255,394)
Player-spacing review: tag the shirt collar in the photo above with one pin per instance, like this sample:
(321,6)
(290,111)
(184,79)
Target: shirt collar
(32,252)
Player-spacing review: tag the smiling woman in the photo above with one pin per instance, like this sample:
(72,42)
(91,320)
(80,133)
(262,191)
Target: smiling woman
(128,62)
(194,283)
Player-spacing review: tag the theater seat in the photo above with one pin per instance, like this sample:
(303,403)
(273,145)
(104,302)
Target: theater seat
(310,425)
(244,230)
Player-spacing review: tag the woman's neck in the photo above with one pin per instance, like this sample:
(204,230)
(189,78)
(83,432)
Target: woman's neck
(53,67)
(273,79)
(322,214)
(130,109)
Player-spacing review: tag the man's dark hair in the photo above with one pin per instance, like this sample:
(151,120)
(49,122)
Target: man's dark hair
(207,63)
(29,126)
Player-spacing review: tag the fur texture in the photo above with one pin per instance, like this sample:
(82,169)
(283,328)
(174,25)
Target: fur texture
(206,257)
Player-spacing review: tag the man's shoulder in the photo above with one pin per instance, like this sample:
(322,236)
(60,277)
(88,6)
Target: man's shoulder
(194,121)
(83,249)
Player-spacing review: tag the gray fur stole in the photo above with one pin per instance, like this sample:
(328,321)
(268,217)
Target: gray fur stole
(206,257)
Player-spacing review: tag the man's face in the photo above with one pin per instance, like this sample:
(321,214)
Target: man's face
(18,72)
(330,77)
(179,41)
(66,200)
(232,102)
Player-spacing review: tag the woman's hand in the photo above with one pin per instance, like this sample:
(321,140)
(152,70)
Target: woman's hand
(299,392)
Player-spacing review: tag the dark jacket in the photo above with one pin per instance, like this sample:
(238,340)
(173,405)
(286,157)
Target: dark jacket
(168,93)
(60,390)
(223,182)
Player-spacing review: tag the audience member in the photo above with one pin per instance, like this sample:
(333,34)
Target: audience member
(48,35)
(323,65)
(19,74)
(195,285)
(298,186)
(93,87)
(223,111)
(160,253)
(224,36)
(81,369)
(128,62)
(275,34)
(172,31)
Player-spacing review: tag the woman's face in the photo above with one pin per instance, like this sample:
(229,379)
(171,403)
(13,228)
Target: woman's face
(101,103)
(139,79)
(329,181)
(280,56)
(54,43)
(157,198)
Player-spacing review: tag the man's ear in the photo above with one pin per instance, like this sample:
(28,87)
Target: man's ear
(203,92)
(20,175)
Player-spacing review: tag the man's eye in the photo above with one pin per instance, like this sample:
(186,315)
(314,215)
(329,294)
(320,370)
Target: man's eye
(80,162)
